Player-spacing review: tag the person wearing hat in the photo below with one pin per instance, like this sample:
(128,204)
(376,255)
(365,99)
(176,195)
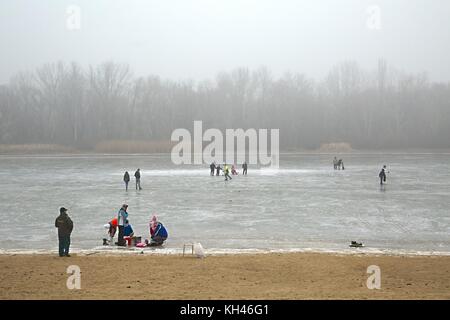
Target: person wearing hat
(158,232)
(121,221)
(65,227)
(112,228)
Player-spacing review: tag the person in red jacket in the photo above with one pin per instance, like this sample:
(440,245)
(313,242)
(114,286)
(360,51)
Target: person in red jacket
(112,229)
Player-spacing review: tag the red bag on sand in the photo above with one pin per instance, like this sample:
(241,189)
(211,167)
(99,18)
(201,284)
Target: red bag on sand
(128,239)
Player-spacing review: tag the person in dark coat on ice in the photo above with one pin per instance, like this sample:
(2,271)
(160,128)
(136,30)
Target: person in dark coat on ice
(126,179)
(218,168)
(382,175)
(137,175)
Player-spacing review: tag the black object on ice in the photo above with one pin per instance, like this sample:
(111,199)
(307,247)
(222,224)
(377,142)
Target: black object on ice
(355,244)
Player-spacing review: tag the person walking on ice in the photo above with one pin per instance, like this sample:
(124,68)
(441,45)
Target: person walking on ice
(382,175)
(137,175)
(226,171)
(126,179)
(244,168)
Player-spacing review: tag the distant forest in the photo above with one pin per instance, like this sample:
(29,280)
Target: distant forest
(383,108)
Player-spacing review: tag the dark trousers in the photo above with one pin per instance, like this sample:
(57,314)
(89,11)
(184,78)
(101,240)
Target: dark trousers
(126,185)
(138,184)
(227,176)
(157,241)
(121,241)
(244,171)
(64,244)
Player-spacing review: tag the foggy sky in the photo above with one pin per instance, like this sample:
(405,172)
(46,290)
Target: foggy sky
(198,38)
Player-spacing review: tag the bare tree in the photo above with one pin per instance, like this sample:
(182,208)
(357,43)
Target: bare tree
(383,108)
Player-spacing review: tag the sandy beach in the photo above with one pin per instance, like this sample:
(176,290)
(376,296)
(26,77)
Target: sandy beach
(248,276)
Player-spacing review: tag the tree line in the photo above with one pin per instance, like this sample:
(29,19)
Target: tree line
(369,109)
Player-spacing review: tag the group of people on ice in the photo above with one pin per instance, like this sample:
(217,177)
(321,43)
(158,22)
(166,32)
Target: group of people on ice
(226,170)
(158,233)
(137,176)
(126,237)
(338,164)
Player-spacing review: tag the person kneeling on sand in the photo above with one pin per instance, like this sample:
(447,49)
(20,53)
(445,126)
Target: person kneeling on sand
(158,233)
(112,228)
(128,233)
(128,230)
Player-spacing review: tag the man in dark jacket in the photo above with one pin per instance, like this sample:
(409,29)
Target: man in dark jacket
(65,227)
(382,175)
(126,179)
(218,168)
(137,175)
(244,168)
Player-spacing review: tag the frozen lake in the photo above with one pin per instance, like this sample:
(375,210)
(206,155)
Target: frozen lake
(304,204)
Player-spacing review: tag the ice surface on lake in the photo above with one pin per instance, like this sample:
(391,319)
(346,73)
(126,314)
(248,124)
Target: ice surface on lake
(304,204)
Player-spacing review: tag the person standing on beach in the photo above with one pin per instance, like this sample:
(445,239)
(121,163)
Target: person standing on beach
(137,175)
(121,222)
(244,168)
(335,163)
(65,227)
(126,179)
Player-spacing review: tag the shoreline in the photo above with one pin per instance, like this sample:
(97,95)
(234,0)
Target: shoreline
(278,276)
(116,251)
